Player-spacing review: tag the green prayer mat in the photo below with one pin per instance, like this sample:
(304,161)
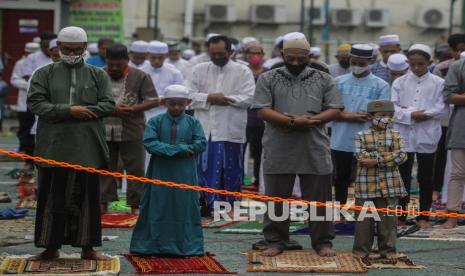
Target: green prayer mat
(120,205)
(255,227)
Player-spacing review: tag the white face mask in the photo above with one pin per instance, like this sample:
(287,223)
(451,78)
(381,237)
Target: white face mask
(72,60)
(357,70)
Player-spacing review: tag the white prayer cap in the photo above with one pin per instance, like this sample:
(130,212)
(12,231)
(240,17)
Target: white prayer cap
(157,47)
(248,39)
(31,47)
(52,44)
(462,55)
(361,50)
(92,48)
(210,35)
(422,47)
(295,40)
(315,51)
(139,46)
(278,40)
(397,62)
(72,34)
(176,91)
(188,54)
(36,39)
(391,39)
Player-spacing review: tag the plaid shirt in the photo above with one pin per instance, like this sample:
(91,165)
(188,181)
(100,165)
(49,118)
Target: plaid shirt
(383,180)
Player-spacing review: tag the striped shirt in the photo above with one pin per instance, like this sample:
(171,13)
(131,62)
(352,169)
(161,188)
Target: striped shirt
(380,70)
(382,180)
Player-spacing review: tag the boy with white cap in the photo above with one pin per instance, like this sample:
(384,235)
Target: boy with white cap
(162,74)
(71,98)
(417,97)
(169,221)
(138,55)
(388,45)
(397,65)
(25,117)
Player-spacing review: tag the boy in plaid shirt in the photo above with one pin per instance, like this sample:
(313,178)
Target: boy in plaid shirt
(379,151)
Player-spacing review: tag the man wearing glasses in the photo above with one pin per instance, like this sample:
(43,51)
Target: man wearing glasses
(221,91)
(70,97)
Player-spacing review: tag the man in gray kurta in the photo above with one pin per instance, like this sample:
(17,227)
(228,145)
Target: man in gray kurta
(296,101)
(70,98)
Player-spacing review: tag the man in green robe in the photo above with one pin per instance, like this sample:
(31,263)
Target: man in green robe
(169,222)
(70,98)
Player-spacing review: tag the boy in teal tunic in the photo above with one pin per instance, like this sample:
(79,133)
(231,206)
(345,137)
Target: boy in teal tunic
(169,221)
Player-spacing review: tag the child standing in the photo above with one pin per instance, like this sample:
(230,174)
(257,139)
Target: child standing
(379,152)
(419,104)
(169,221)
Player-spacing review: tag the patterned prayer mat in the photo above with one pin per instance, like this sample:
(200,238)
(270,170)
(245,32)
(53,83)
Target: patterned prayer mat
(120,205)
(27,204)
(401,262)
(118,220)
(14,231)
(305,261)
(69,266)
(255,227)
(161,265)
(437,233)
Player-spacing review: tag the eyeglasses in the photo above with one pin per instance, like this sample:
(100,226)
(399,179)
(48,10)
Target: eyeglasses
(67,51)
(292,59)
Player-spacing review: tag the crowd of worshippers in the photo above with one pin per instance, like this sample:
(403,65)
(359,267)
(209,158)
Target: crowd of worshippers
(187,116)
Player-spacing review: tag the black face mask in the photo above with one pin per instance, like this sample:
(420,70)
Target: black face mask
(220,61)
(344,63)
(295,69)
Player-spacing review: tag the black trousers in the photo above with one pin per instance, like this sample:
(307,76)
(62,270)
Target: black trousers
(425,180)
(254,141)
(344,167)
(26,139)
(440,160)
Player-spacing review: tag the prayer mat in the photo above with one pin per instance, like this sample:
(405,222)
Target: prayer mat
(305,261)
(162,265)
(13,232)
(27,204)
(437,233)
(401,262)
(118,220)
(120,205)
(405,230)
(208,223)
(20,265)
(255,227)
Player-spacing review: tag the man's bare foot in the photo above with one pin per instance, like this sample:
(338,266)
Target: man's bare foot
(271,252)
(103,208)
(435,196)
(450,223)
(47,254)
(91,254)
(135,211)
(326,251)
(423,224)
(391,256)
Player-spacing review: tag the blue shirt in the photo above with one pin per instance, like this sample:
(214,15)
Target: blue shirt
(356,93)
(96,61)
(380,71)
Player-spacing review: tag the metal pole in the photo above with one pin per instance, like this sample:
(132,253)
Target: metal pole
(156,19)
(302,15)
(325,31)
(310,32)
(451,17)
(149,12)
(463,15)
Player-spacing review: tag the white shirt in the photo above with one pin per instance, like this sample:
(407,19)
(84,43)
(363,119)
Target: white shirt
(182,65)
(203,57)
(271,62)
(161,78)
(19,82)
(143,66)
(222,123)
(411,93)
(34,61)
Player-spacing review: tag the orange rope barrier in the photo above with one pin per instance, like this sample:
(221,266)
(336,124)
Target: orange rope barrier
(223,192)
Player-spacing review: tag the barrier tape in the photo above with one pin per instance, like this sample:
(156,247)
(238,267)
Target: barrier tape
(224,192)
